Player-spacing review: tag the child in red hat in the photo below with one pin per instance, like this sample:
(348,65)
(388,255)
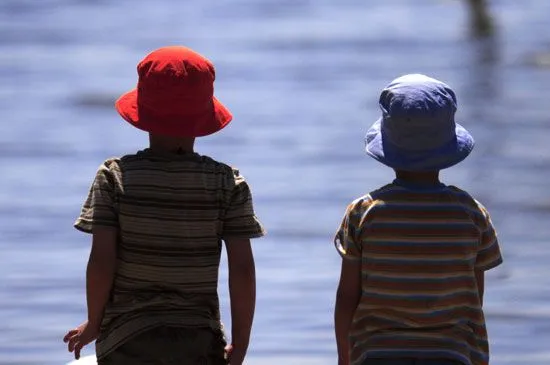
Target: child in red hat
(158,218)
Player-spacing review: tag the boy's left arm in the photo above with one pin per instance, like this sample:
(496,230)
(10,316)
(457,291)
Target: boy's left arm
(100,275)
(488,255)
(348,245)
(240,224)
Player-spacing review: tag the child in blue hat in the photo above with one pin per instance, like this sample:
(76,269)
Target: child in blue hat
(415,251)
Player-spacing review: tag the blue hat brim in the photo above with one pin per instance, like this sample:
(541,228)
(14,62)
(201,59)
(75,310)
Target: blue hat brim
(453,152)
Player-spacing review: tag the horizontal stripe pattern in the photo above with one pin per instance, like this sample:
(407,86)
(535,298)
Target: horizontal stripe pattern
(419,249)
(172,212)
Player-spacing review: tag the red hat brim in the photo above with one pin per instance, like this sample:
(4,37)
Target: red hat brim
(197,126)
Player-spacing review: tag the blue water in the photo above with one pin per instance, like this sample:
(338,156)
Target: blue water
(302,79)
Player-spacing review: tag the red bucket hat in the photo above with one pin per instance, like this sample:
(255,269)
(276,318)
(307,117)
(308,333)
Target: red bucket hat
(174,95)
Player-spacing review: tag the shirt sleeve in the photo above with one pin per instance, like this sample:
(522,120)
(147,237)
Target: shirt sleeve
(240,220)
(99,209)
(346,240)
(488,254)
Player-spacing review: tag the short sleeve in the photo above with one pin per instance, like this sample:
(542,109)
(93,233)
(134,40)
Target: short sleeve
(240,220)
(488,255)
(99,209)
(346,240)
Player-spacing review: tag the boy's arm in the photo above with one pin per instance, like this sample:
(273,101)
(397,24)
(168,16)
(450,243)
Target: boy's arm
(347,298)
(242,293)
(99,281)
(100,272)
(488,255)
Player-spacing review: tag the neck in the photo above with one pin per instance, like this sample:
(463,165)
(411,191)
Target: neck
(171,144)
(424,178)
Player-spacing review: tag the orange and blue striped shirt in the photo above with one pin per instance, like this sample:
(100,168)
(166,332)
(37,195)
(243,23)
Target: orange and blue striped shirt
(419,249)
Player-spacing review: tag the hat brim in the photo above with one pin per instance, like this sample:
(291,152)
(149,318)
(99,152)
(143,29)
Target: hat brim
(453,152)
(213,120)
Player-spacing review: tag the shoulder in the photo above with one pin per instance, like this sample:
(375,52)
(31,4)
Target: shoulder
(111,163)
(378,197)
(472,205)
(109,167)
(231,172)
(363,204)
(232,176)
(373,198)
(108,173)
(218,166)
(466,199)
(462,195)
(385,192)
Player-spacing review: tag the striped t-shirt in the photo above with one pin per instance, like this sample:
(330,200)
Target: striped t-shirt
(172,212)
(419,249)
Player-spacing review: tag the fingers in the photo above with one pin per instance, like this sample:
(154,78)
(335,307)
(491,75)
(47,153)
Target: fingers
(70,334)
(77,348)
(228,350)
(71,345)
(75,345)
(77,338)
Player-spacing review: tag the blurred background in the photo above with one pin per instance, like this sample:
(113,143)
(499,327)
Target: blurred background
(302,78)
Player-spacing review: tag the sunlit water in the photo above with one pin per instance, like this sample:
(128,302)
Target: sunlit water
(302,79)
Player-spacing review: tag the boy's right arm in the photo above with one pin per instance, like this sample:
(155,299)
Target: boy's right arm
(242,293)
(347,298)
(349,246)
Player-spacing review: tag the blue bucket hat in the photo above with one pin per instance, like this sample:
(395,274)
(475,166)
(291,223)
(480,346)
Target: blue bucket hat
(417,130)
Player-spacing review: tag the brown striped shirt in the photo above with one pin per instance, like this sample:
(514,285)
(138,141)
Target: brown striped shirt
(172,212)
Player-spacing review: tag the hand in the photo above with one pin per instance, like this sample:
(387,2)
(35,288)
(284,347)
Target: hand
(79,337)
(234,356)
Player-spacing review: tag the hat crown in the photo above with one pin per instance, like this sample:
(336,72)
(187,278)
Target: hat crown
(418,112)
(175,76)
(175,95)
